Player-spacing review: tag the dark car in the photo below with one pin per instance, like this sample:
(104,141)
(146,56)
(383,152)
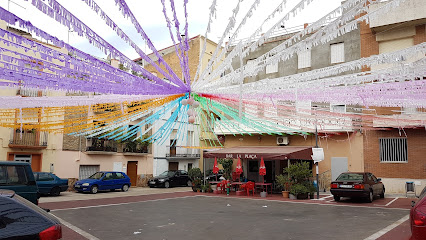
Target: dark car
(102,181)
(171,179)
(418,218)
(19,177)
(49,183)
(357,185)
(20,219)
(210,176)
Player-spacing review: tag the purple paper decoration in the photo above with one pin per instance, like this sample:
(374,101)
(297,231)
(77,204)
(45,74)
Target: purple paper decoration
(124,36)
(128,13)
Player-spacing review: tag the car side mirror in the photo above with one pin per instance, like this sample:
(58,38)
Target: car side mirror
(413,203)
(379,180)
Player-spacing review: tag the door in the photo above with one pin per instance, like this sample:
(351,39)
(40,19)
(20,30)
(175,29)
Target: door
(269,177)
(108,182)
(87,171)
(338,166)
(132,172)
(172,148)
(45,182)
(173,166)
(189,166)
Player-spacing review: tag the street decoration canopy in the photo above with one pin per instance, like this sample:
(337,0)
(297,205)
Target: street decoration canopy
(216,102)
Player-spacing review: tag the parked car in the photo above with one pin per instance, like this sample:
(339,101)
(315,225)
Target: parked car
(210,176)
(102,181)
(19,177)
(418,218)
(49,183)
(171,179)
(20,219)
(357,184)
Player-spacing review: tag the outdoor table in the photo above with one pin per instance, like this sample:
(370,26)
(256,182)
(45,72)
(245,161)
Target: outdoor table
(235,184)
(264,185)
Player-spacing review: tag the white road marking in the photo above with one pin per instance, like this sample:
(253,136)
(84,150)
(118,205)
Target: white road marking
(309,203)
(387,229)
(170,224)
(77,230)
(389,203)
(118,204)
(323,198)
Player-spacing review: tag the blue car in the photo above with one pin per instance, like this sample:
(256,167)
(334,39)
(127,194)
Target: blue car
(102,181)
(49,183)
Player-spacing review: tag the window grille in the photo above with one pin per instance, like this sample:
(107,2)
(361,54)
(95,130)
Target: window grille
(393,150)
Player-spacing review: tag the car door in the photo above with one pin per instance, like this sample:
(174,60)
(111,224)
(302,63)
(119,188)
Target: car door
(45,182)
(185,177)
(107,182)
(378,186)
(119,180)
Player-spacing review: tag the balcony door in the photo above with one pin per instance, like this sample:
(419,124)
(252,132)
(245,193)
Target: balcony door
(172,147)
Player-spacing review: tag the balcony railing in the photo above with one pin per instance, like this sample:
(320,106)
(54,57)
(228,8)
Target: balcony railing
(28,139)
(183,153)
(101,145)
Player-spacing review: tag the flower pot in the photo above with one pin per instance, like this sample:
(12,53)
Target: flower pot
(302,196)
(286,194)
(292,197)
(263,194)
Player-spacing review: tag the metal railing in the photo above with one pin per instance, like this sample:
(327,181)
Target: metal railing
(101,145)
(29,138)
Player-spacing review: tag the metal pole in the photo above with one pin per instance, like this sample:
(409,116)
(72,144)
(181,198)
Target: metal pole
(316,164)
(240,107)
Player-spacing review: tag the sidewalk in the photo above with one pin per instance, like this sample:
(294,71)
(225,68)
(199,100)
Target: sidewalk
(134,191)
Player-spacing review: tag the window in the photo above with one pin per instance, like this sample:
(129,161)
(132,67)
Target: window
(45,177)
(119,176)
(338,108)
(393,150)
(13,175)
(272,68)
(337,52)
(304,59)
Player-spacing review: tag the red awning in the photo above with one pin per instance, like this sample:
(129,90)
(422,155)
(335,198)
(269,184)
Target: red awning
(267,152)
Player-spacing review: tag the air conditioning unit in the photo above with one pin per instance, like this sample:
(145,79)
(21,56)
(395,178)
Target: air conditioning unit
(282,140)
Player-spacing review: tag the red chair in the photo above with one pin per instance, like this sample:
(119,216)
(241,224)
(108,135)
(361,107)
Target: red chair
(249,186)
(219,187)
(235,177)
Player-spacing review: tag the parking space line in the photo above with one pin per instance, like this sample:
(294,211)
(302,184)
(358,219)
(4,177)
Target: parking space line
(387,229)
(309,203)
(117,204)
(389,203)
(77,230)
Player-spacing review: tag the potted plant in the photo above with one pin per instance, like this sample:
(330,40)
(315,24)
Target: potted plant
(299,190)
(312,189)
(284,183)
(299,173)
(195,175)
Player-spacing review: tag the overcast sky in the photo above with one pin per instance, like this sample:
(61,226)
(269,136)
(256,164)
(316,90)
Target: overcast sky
(150,16)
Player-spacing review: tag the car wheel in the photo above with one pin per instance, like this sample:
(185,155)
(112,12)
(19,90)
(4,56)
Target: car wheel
(189,183)
(56,191)
(382,195)
(336,198)
(125,188)
(94,189)
(166,184)
(370,197)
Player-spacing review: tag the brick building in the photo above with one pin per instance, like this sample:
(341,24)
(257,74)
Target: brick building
(396,155)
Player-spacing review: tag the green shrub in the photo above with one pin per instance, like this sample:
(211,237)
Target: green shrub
(299,172)
(227,167)
(298,189)
(195,173)
(283,182)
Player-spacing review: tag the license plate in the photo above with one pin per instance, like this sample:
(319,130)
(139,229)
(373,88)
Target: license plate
(345,186)
(152,182)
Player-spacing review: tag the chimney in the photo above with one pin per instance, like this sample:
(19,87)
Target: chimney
(114,63)
(305,25)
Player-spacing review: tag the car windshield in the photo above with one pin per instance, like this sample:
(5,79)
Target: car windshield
(350,177)
(97,175)
(167,174)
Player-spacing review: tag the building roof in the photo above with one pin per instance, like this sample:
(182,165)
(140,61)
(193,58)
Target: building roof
(267,152)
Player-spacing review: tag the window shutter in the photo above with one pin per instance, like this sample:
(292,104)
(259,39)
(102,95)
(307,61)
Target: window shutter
(337,53)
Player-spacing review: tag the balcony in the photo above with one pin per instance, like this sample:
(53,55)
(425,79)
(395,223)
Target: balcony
(133,148)
(101,146)
(29,139)
(182,153)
